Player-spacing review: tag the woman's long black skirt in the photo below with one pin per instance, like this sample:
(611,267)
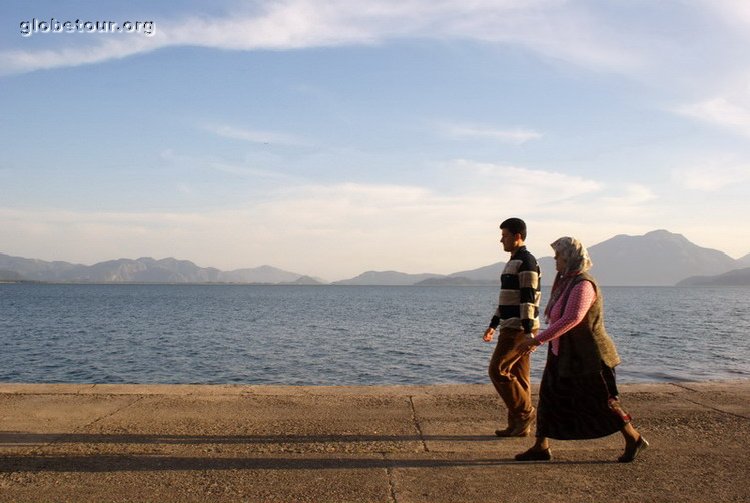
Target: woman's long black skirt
(575,408)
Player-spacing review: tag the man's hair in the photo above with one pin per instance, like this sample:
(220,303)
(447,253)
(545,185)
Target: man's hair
(516,226)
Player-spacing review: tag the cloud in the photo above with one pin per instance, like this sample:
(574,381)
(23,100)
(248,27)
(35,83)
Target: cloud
(633,194)
(516,136)
(519,183)
(733,12)
(732,113)
(712,175)
(245,170)
(329,230)
(339,230)
(23,61)
(718,63)
(248,172)
(253,136)
(552,28)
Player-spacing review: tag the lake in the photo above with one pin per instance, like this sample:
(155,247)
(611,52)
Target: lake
(337,335)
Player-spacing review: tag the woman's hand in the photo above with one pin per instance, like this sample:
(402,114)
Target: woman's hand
(528,344)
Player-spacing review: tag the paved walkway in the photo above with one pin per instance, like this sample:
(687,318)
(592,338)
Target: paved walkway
(387,444)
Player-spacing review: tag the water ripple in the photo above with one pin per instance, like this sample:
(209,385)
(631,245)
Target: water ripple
(336,335)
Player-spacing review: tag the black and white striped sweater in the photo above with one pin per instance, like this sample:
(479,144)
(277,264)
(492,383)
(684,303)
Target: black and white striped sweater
(520,293)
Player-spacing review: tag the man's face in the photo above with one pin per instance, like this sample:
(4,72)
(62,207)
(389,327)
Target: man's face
(509,240)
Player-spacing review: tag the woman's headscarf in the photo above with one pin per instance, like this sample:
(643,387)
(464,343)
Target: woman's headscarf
(574,253)
(576,261)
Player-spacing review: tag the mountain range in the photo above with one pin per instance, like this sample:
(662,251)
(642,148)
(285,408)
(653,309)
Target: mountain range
(658,258)
(142,270)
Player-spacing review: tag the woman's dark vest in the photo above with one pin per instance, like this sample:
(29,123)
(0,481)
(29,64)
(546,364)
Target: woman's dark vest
(584,347)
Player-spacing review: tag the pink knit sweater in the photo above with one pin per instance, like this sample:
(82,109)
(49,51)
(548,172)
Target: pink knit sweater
(580,300)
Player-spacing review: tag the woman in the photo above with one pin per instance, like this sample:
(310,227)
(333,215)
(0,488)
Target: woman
(578,395)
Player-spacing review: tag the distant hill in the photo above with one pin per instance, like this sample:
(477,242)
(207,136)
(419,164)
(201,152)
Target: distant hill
(547,265)
(6,275)
(744,261)
(736,277)
(489,275)
(656,258)
(142,270)
(262,274)
(303,280)
(37,270)
(457,281)
(386,278)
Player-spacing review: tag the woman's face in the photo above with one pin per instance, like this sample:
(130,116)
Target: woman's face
(560,263)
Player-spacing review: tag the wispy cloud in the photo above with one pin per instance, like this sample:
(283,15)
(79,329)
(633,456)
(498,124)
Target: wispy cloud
(515,135)
(382,226)
(245,170)
(733,12)
(732,113)
(254,136)
(339,230)
(248,172)
(527,184)
(22,61)
(553,28)
(712,175)
(631,194)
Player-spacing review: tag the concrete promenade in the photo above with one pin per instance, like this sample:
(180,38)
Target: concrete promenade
(385,444)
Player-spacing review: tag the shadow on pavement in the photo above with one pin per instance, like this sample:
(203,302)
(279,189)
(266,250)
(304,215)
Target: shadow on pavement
(21,439)
(117,463)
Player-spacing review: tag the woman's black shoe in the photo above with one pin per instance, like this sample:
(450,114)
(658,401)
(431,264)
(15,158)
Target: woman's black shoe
(631,454)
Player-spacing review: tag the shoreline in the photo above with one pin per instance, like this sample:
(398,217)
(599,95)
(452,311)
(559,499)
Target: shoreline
(9,386)
(225,283)
(395,444)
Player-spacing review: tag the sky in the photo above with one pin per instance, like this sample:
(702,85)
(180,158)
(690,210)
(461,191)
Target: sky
(332,137)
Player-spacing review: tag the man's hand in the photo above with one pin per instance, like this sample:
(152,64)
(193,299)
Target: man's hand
(488,334)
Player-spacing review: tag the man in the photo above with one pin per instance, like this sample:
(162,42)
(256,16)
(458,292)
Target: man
(517,316)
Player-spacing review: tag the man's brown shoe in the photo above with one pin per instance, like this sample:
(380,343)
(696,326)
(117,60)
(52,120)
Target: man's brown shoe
(507,432)
(518,427)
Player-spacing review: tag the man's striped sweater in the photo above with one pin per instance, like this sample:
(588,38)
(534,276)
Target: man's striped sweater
(520,293)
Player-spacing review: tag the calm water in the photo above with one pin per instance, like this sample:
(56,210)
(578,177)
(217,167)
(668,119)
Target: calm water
(337,335)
